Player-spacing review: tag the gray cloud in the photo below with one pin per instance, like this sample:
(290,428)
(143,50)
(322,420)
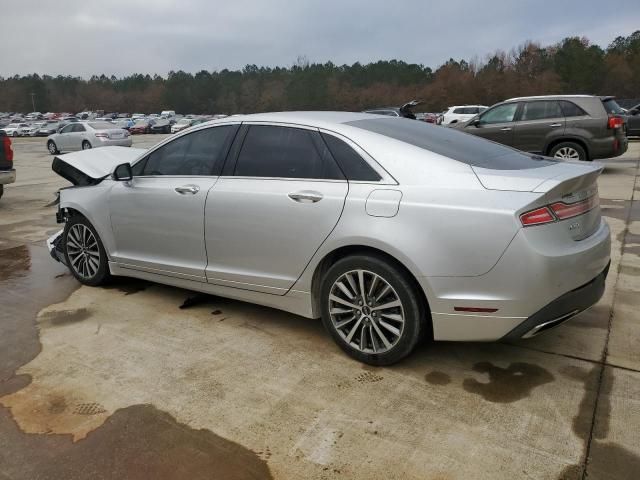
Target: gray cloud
(155,36)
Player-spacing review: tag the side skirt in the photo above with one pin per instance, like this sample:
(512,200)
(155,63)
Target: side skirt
(295,301)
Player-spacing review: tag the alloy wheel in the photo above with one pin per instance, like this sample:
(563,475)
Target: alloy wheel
(366,311)
(52,148)
(568,153)
(83,251)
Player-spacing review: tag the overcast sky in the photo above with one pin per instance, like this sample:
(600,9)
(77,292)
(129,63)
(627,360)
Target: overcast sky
(118,37)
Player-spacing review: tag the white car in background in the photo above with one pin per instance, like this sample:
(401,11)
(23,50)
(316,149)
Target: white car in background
(86,135)
(461,113)
(32,129)
(15,129)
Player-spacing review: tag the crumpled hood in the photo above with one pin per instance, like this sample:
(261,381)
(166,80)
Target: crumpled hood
(89,167)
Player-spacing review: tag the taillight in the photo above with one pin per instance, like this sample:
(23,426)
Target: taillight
(537,217)
(567,210)
(6,146)
(558,211)
(615,122)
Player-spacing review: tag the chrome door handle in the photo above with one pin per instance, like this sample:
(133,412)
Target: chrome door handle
(192,189)
(505,129)
(554,125)
(305,197)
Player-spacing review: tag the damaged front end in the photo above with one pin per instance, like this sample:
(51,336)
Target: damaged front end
(54,244)
(87,168)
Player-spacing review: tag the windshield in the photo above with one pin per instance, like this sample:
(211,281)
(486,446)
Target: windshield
(451,143)
(611,106)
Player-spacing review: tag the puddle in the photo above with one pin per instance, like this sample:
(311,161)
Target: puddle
(437,378)
(64,317)
(137,442)
(507,385)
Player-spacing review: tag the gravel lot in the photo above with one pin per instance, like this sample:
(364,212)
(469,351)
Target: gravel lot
(121,382)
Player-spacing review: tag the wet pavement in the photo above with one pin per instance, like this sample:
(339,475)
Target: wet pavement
(139,380)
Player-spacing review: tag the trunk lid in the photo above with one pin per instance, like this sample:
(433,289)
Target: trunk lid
(89,167)
(568,183)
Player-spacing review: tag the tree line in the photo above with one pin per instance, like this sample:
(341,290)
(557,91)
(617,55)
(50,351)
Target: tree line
(573,65)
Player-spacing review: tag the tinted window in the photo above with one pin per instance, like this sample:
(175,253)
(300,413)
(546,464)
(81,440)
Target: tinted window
(78,128)
(197,153)
(611,106)
(570,109)
(102,125)
(459,110)
(284,152)
(351,163)
(452,143)
(67,129)
(541,110)
(500,114)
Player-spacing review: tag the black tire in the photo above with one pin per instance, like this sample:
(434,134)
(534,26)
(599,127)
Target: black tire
(86,145)
(403,288)
(102,273)
(1,190)
(52,147)
(569,147)
(15,134)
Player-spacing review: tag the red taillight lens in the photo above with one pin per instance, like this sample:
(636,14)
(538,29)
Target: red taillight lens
(537,217)
(615,122)
(563,210)
(558,211)
(8,152)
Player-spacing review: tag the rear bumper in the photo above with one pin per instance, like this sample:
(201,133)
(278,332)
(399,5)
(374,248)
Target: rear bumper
(123,142)
(608,147)
(561,309)
(7,176)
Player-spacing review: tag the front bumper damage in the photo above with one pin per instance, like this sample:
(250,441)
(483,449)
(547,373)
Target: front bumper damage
(54,245)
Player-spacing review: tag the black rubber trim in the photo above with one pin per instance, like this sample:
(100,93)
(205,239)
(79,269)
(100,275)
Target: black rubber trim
(578,299)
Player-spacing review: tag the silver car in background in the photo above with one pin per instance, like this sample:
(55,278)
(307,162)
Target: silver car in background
(86,135)
(388,229)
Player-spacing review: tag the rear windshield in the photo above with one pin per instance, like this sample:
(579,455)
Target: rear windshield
(611,106)
(102,125)
(452,143)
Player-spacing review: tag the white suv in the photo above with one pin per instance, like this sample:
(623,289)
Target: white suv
(461,113)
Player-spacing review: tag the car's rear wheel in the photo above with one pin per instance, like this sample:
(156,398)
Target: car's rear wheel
(84,252)
(568,151)
(371,309)
(15,133)
(86,145)
(52,147)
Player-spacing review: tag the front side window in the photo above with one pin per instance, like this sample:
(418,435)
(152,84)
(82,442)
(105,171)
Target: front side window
(285,152)
(67,129)
(500,114)
(197,153)
(460,111)
(541,110)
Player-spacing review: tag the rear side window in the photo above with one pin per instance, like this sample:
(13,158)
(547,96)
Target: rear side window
(198,153)
(452,143)
(285,152)
(351,163)
(459,110)
(570,109)
(78,128)
(611,106)
(541,110)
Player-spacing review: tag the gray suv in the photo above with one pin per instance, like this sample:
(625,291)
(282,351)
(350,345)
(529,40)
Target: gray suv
(577,127)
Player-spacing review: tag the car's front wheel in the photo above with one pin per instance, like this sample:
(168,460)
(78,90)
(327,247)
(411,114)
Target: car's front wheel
(84,252)
(51,146)
(372,309)
(86,145)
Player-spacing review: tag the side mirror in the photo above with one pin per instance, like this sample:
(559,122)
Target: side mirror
(123,173)
(634,111)
(474,122)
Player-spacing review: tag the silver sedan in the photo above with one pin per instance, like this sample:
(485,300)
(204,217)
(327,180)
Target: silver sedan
(388,229)
(86,135)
